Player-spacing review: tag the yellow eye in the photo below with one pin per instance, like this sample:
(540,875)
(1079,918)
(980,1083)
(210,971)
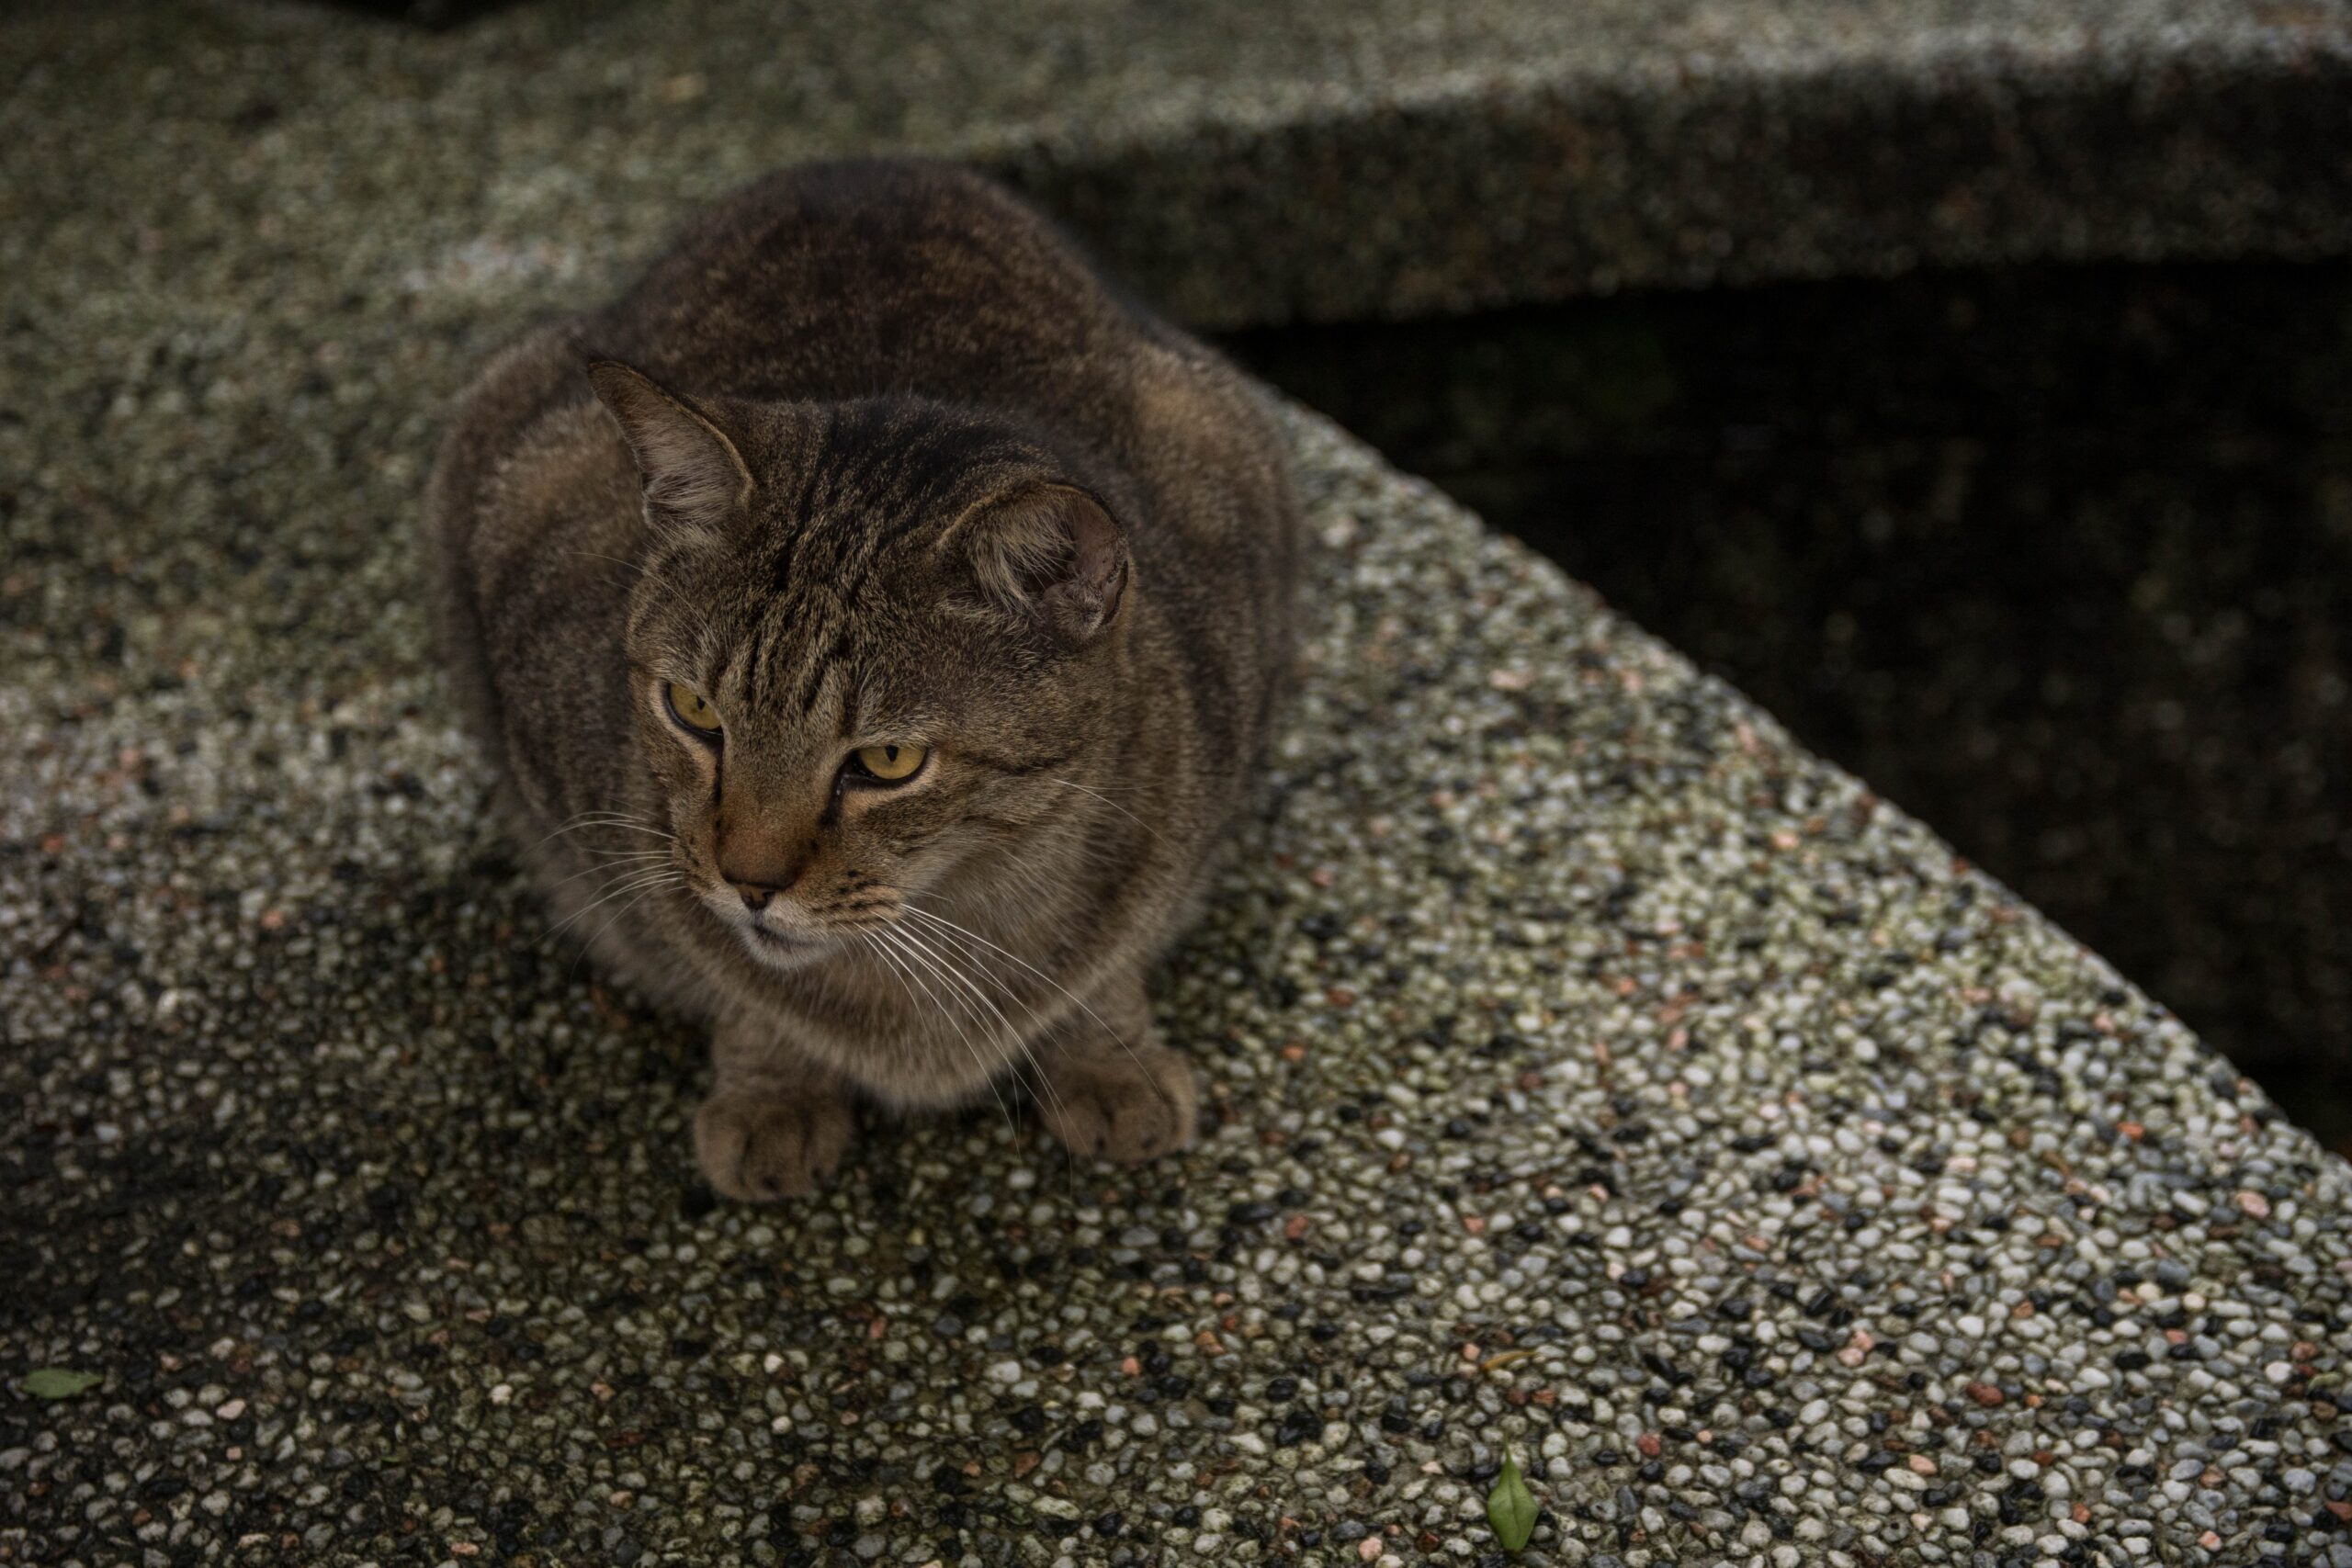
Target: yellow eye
(692,709)
(890,764)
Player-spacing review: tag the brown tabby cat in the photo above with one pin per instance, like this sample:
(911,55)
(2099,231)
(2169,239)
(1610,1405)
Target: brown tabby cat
(874,616)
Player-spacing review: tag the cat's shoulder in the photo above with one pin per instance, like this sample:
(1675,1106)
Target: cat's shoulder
(526,436)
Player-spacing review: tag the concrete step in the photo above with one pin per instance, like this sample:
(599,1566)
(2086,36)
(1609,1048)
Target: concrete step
(1596,1078)
(1247,163)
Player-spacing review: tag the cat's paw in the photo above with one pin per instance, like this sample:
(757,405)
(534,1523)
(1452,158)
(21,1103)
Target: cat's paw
(1125,1107)
(761,1147)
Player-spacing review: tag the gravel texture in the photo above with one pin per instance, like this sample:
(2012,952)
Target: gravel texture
(1594,1076)
(1245,162)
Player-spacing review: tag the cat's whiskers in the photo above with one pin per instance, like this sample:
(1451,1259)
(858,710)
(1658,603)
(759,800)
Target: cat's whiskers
(630,880)
(642,883)
(598,817)
(617,821)
(945,940)
(1086,789)
(895,937)
(957,985)
(1022,1050)
(874,938)
(1076,1001)
(625,909)
(614,860)
(904,948)
(966,937)
(870,938)
(970,985)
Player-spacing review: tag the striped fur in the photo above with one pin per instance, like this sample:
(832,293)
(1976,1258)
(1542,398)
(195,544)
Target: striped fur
(877,458)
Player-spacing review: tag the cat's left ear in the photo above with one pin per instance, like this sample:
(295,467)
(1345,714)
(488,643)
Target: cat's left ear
(1051,553)
(691,471)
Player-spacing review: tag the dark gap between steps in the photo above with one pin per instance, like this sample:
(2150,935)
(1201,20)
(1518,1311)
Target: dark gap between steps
(431,15)
(2058,558)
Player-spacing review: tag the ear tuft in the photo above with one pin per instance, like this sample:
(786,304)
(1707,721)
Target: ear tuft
(1051,552)
(691,471)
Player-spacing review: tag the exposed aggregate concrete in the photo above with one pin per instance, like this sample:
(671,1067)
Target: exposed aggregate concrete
(1593,1075)
(1245,163)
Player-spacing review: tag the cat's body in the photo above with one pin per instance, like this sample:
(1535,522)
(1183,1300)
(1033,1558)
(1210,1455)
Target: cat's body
(901,482)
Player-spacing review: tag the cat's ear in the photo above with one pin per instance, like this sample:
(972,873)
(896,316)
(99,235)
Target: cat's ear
(1050,552)
(691,471)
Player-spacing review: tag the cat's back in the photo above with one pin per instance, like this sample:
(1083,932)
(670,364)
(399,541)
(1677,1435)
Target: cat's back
(882,277)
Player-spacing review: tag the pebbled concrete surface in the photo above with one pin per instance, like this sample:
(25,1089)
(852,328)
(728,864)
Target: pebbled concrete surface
(1244,163)
(1596,1075)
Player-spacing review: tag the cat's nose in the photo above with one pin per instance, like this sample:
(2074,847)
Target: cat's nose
(756,893)
(760,863)
(763,854)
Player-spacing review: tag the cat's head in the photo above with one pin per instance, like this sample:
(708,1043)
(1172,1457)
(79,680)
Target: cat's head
(869,645)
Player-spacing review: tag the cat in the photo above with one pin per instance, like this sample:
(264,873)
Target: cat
(873,617)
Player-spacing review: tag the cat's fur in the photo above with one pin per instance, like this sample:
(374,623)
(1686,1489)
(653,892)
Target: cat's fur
(873,456)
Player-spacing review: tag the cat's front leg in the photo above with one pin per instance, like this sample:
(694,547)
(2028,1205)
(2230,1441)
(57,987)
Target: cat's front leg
(774,1125)
(1107,1086)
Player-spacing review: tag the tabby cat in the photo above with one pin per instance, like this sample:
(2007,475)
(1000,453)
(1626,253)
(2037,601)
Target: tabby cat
(872,616)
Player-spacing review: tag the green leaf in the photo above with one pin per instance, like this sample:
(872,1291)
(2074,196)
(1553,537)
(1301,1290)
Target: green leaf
(59,1382)
(1511,1508)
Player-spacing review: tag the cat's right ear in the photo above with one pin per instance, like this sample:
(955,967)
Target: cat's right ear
(692,473)
(1051,554)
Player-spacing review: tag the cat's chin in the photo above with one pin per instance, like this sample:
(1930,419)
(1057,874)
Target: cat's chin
(776,948)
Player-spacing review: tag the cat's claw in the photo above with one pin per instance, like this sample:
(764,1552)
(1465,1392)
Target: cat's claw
(760,1147)
(1121,1107)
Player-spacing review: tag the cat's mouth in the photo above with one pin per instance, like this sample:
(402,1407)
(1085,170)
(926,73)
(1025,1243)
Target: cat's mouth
(778,946)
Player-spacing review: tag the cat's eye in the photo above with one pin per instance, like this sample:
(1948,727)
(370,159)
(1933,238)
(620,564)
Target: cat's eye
(890,764)
(690,708)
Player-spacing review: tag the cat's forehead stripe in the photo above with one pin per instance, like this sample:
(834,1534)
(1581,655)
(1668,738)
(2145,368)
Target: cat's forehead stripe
(836,657)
